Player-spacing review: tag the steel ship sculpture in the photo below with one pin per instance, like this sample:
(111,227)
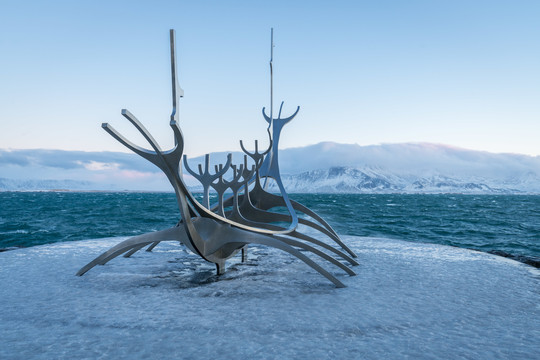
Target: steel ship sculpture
(220,230)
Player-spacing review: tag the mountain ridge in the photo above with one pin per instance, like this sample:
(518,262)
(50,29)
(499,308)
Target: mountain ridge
(322,167)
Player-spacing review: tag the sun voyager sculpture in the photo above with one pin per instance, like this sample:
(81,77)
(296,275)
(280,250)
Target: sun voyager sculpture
(220,230)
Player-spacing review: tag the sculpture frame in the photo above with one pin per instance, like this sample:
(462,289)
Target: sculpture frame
(218,231)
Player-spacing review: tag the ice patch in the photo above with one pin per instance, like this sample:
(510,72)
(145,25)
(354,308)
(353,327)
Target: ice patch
(409,300)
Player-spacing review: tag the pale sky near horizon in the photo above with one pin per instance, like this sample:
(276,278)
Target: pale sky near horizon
(462,73)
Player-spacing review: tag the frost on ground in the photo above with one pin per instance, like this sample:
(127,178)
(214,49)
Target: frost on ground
(408,300)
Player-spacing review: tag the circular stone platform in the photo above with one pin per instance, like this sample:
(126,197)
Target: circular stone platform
(408,300)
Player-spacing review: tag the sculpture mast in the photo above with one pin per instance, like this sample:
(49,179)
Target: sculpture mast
(177,91)
(270,123)
(271,77)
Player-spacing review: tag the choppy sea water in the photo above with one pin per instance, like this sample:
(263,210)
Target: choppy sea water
(507,225)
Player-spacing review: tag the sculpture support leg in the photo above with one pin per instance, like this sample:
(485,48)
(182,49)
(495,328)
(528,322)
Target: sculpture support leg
(175,233)
(244,253)
(151,247)
(220,267)
(282,246)
(134,250)
(316,252)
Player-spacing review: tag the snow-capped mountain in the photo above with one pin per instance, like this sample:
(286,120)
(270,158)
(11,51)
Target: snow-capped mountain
(354,180)
(394,168)
(323,167)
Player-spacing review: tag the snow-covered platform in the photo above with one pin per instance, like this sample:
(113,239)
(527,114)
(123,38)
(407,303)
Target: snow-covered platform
(409,300)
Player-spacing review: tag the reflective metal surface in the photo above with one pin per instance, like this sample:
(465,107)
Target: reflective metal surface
(218,231)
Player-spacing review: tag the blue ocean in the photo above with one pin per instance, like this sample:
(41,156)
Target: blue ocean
(505,225)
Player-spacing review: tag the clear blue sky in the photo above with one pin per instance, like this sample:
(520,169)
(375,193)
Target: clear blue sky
(463,73)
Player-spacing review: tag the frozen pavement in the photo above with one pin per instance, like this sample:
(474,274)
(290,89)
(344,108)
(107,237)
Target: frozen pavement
(408,300)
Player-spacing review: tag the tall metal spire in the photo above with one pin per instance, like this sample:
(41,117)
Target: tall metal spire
(271,77)
(177,91)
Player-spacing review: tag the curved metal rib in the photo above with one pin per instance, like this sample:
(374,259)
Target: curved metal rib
(298,235)
(279,245)
(217,235)
(134,250)
(260,214)
(251,216)
(151,247)
(255,214)
(317,252)
(147,154)
(174,234)
(139,126)
(267,201)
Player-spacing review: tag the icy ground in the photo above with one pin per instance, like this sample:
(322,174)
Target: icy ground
(409,300)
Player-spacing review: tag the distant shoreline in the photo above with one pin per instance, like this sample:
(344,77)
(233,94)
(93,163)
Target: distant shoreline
(519,193)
